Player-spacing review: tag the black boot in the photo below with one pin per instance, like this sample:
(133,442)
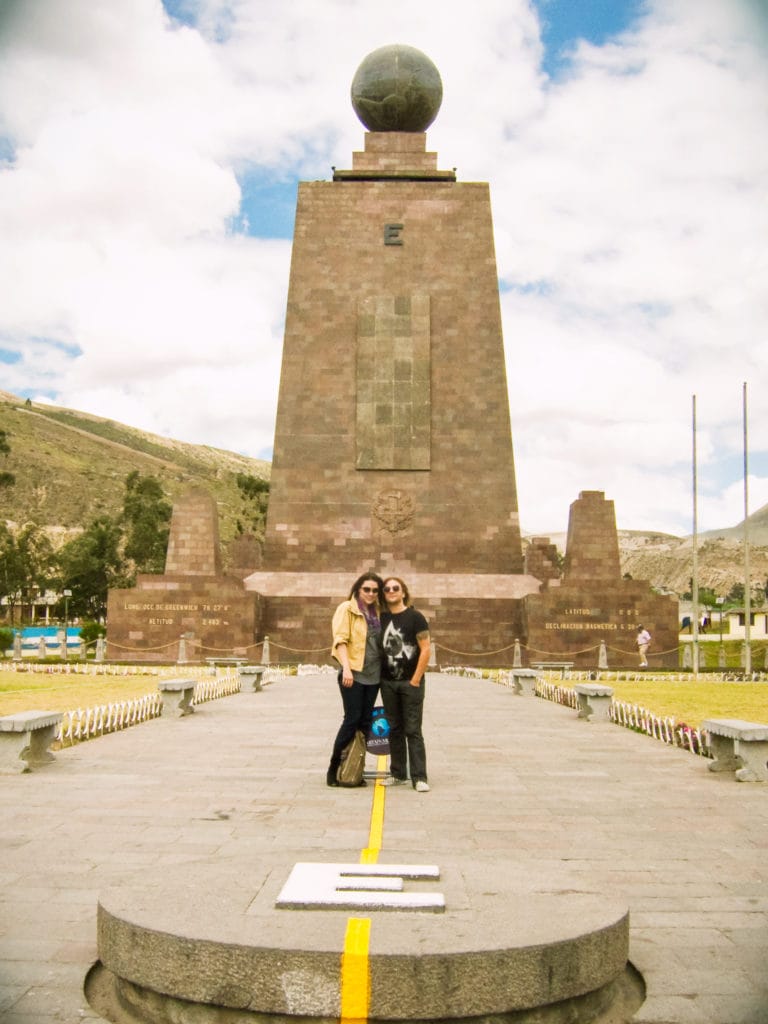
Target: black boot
(330,776)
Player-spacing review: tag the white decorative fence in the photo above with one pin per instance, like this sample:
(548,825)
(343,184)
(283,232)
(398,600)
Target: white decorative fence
(213,688)
(663,728)
(271,675)
(639,719)
(104,669)
(557,694)
(85,724)
(88,723)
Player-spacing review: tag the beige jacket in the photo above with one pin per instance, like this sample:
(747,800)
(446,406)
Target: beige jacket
(349,627)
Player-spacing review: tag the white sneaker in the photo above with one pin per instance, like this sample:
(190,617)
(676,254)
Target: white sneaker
(390,780)
(421,786)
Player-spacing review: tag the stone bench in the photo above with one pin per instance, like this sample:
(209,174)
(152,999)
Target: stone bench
(524,681)
(251,676)
(594,701)
(25,738)
(553,666)
(738,746)
(184,691)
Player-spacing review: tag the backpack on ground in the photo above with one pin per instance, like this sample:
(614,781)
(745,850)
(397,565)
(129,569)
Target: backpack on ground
(350,770)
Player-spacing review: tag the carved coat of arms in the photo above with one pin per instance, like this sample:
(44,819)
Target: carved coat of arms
(394,510)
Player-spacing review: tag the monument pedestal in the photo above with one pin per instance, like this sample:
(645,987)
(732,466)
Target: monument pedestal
(234,951)
(594,605)
(193,599)
(470,615)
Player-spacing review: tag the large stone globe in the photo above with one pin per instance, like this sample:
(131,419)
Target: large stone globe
(397,89)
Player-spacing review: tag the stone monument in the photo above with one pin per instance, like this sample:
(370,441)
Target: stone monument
(393,446)
(592,604)
(193,607)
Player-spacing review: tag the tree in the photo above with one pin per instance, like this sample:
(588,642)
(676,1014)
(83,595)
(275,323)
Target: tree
(254,493)
(6,479)
(707,597)
(146,518)
(90,565)
(27,564)
(6,639)
(90,631)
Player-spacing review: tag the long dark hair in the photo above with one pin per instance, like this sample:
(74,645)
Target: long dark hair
(371,612)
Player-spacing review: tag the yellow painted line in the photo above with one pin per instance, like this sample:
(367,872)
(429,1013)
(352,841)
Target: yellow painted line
(355,968)
(355,972)
(370,854)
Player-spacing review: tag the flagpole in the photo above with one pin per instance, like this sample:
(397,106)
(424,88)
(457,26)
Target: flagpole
(695,576)
(747,585)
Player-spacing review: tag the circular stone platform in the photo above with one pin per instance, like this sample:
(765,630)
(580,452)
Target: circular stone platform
(397,89)
(211,936)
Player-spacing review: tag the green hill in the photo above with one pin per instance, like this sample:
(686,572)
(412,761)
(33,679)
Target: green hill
(71,466)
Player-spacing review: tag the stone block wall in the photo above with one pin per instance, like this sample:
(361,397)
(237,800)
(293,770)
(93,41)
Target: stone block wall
(193,543)
(592,548)
(393,444)
(218,616)
(541,559)
(568,623)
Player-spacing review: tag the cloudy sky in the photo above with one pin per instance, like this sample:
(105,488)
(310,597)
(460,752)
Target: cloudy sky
(149,155)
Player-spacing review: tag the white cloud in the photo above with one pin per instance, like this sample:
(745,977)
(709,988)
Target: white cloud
(629,203)
(645,214)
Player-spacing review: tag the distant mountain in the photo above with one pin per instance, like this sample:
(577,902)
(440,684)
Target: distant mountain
(666,561)
(71,466)
(757,530)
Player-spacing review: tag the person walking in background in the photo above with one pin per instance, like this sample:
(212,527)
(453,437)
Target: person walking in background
(643,640)
(356,646)
(405,639)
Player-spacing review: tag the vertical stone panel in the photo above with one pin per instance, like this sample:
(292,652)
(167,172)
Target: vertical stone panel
(592,551)
(393,383)
(193,542)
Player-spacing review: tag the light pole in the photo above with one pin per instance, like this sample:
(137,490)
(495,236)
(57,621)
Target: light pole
(720,601)
(67,595)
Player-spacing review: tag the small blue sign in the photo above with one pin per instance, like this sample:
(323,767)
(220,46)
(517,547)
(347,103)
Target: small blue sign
(378,737)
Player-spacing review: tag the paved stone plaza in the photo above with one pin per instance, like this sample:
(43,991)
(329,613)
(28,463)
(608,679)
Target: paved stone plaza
(520,788)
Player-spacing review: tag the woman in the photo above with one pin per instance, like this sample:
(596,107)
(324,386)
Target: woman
(357,648)
(406,656)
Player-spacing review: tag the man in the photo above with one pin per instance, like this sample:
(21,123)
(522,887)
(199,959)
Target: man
(643,639)
(405,639)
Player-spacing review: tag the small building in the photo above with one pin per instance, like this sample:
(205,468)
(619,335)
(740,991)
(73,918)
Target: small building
(737,623)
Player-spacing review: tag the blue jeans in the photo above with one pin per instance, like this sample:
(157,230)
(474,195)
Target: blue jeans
(358,701)
(404,707)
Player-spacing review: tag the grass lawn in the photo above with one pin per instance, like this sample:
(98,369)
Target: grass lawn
(691,702)
(42,691)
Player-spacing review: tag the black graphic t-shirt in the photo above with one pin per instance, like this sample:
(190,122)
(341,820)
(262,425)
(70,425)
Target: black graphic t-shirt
(401,648)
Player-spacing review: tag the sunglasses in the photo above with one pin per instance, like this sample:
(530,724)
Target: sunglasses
(370,590)
(396,587)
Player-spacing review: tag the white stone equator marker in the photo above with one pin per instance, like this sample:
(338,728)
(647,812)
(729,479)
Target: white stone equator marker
(314,886)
